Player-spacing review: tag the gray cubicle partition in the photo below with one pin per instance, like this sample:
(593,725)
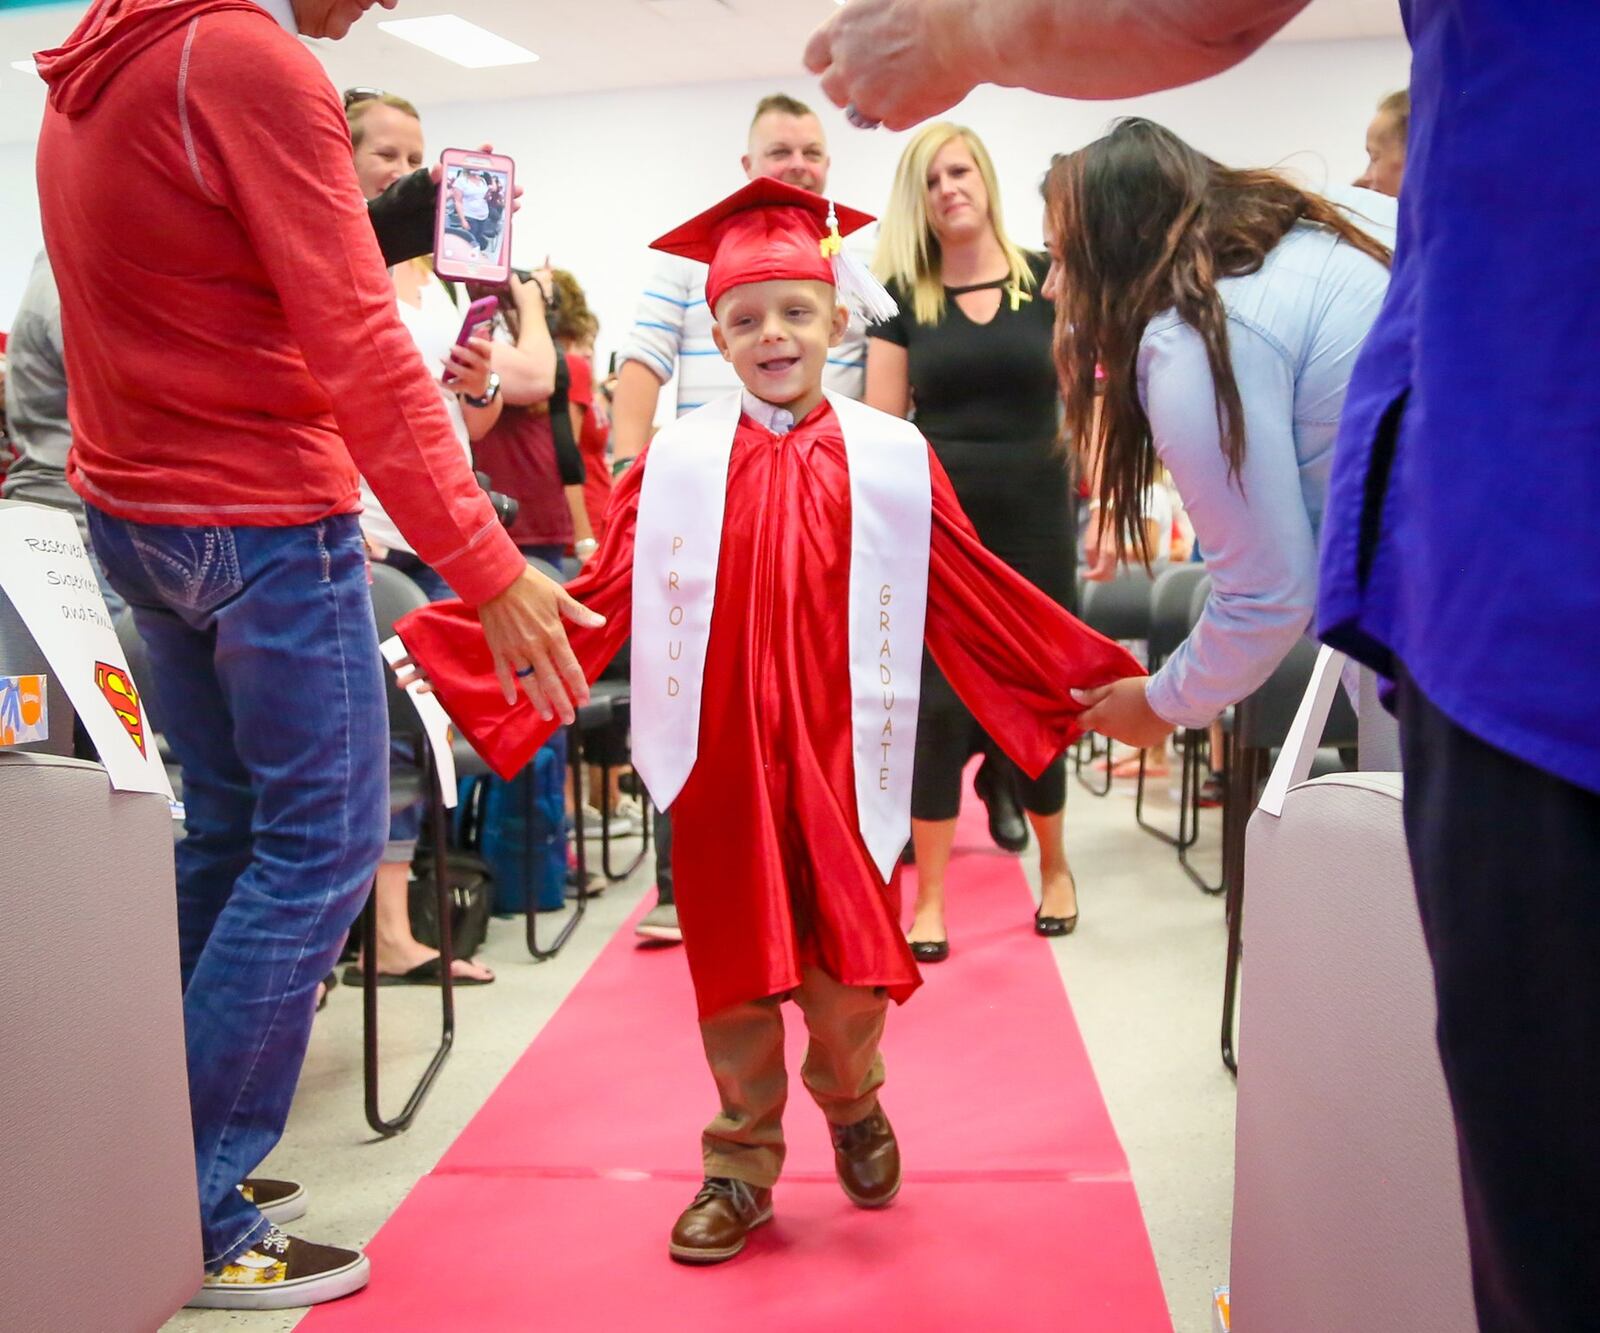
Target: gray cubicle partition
(99,1226)
(1347,1197)
(21,656)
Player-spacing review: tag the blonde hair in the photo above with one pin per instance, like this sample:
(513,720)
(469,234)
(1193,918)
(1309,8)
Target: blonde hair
(356,112)
(1398,105)
(908,250)
(783,104)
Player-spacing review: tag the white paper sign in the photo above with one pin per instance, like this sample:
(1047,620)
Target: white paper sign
(46,573)
(435,722)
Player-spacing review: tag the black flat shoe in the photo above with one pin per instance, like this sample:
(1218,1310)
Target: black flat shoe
(930,951)
(1054,925)
(1008,830)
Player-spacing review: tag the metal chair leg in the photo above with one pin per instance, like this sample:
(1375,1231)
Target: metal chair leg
(617,876)
(1247,770)
(1188,829)
(369,978)
(1192,781)
(1230,981)
(1103,789)
(581,903)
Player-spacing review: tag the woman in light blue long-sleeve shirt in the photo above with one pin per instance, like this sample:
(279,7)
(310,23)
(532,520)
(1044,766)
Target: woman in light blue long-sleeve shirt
(1227,308)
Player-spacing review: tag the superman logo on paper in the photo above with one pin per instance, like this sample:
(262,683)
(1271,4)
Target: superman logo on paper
(120,693)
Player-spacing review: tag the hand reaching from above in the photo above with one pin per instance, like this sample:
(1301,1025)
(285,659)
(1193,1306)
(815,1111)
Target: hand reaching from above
(898,61)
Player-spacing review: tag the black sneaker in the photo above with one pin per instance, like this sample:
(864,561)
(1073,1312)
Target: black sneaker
(280,1201)
(283,1272)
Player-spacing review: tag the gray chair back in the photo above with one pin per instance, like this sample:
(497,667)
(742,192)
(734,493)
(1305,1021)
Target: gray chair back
(1172,609)
(20,655)
(1264,718)
(394,595)
(1119,609)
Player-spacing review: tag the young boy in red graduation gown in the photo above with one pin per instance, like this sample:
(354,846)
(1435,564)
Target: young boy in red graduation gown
(780,557)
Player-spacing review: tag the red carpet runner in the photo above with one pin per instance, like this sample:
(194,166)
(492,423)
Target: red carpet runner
(552,1209)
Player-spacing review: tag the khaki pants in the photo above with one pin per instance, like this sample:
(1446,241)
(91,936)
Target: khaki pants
(744,1046)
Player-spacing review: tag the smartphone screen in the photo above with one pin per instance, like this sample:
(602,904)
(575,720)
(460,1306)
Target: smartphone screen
(473,239)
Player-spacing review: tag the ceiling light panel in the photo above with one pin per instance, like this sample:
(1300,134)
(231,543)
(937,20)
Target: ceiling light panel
(453,38)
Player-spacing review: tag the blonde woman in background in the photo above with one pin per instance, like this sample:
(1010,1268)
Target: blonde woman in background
(969,356)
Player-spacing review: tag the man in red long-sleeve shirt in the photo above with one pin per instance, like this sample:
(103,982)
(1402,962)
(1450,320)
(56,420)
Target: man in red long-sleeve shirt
(235,355)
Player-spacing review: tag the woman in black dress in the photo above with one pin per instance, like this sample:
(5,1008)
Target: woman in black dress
(969,358)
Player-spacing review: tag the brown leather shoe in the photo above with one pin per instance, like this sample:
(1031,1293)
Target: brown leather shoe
(867,1159)
(715,1226)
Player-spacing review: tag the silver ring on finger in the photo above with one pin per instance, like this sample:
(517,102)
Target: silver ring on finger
(860,121)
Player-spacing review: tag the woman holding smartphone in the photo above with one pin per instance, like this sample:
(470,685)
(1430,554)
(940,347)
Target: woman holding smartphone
(387,138)
(386,134)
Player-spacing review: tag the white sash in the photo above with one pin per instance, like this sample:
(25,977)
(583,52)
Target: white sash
(677,542)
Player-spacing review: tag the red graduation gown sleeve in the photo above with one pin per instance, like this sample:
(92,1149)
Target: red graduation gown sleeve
(1010,653)
(446,639)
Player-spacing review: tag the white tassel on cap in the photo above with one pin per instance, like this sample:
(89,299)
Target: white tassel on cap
(854,281)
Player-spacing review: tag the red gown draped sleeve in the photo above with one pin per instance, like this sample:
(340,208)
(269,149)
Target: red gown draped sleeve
(1012,655)
(446,640)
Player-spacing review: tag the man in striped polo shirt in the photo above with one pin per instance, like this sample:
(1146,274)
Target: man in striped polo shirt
(672,333)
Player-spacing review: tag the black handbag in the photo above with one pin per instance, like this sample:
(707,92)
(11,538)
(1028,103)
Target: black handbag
(471,893)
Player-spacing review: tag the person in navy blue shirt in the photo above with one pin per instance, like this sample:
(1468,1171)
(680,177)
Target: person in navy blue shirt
(1458,552)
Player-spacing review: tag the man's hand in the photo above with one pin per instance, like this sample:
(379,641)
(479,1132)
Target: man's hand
(902,61)
(898,61)
(1122,712)
(530,648)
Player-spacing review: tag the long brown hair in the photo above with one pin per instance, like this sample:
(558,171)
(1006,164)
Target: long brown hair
(1144,223)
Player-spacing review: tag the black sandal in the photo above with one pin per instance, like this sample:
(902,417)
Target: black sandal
(423,974)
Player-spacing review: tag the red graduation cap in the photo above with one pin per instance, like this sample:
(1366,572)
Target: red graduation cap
(767,231)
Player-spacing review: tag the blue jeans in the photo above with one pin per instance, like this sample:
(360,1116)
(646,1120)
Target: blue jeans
(265,655)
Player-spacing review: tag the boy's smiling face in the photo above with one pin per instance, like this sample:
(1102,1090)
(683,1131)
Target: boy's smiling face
(777,335)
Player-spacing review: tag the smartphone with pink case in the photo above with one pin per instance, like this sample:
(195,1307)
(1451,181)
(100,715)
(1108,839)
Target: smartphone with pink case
(478,322)
(472,233)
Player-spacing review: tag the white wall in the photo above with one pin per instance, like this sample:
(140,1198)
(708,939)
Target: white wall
(606,173)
